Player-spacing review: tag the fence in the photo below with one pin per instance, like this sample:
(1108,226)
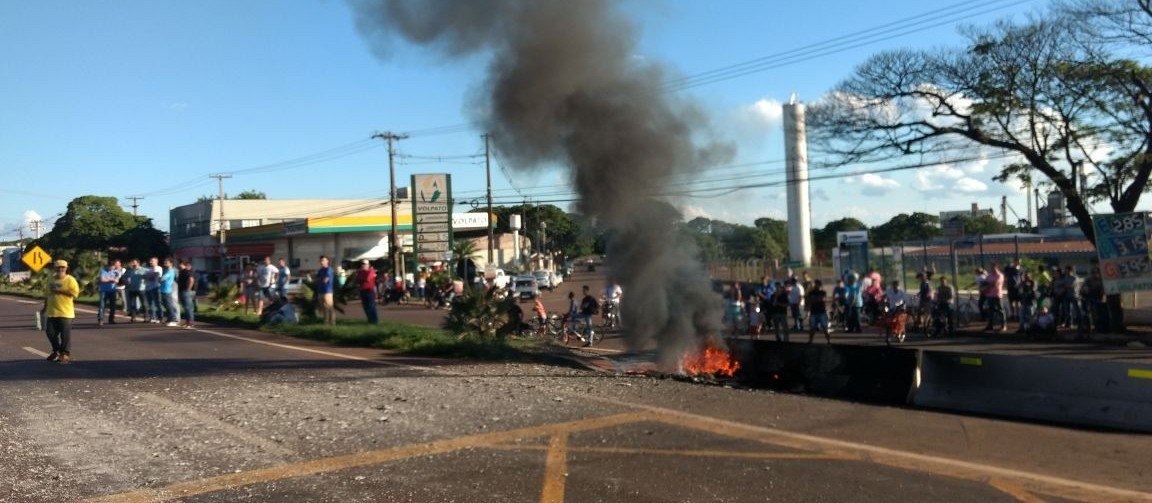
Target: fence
(956,258)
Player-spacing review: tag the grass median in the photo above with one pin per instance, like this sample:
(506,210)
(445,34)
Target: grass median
(394,336)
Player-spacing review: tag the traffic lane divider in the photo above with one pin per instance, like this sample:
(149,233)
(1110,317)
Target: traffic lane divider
(1062,390)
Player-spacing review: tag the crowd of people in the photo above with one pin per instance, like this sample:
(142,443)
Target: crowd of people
(1039,303)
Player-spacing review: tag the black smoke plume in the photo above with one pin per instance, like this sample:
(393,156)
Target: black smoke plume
(565,86)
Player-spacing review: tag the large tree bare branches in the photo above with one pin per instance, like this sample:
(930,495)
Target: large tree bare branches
(1034,90)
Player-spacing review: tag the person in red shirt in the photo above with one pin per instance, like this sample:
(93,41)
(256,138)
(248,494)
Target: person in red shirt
(366,283)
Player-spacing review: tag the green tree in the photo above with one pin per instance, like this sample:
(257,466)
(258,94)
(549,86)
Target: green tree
(825,239)
(91,223)
(985,224)
(777,229)
(568,235)
(142,241)
(251,194)
(463,251)
(904,227)
(1048,93)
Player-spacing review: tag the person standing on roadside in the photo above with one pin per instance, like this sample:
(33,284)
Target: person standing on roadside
(283,274)
(992,293)
(366,283)
(152,274)
(796,302)
(134,291)
(325,281)
(60,310)
(265,282)
(589,306)
(109,278)
(1027,302)
(854,303)
(945,295)
(1095,308)
(186,288)
(778,312)
(1013,275)
(168,293)
(817,305)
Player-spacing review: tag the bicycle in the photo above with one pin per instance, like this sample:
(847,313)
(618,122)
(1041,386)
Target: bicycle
(966,312)
(580,329)
(551,326)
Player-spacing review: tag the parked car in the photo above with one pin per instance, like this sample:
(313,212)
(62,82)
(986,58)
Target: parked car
(501,279)
(526,287)
(293,286)
(546,280)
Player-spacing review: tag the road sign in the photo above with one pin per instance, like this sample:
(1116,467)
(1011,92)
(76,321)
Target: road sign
(1122,243)
(432,216)
(36,258)
(795,264)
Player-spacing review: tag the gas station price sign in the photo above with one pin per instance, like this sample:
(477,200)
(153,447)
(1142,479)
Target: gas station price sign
(1122,243)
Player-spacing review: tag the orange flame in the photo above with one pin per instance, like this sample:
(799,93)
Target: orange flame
(709,360)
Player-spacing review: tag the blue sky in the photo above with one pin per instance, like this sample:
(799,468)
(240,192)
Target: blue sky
(148,98)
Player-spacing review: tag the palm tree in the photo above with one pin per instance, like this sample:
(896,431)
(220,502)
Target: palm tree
(463,250)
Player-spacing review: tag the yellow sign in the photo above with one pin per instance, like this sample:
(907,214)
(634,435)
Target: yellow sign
(36,258)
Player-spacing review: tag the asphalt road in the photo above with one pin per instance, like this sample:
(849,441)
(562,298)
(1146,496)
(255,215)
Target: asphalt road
(149,413)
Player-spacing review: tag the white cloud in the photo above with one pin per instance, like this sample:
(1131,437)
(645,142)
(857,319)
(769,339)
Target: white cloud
(770,112)
(872,184)
(974,166)
(177,107)
(970,185)
(935,178)
(31,216)
(754,126)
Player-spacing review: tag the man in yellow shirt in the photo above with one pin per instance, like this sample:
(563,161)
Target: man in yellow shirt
(60,310)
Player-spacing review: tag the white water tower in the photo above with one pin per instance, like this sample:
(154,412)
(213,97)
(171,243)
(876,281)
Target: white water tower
(799,207)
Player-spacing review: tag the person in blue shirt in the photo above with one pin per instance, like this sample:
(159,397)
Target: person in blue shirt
(135,291)
(839,309)
(168,293)
(282,276)
(854,300)
(109,278)
(324,285)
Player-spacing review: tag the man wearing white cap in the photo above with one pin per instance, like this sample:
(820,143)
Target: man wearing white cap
(60,309)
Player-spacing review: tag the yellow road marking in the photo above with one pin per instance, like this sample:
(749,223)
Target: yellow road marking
(555,469)
(1037,483)
(335,463)
(1015,491)
(1140,374)
(687,452)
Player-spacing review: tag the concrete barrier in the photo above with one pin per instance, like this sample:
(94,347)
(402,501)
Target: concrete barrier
(1064,390)
(864,373)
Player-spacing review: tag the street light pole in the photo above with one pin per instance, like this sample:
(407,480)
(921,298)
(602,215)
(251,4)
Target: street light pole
(491,224)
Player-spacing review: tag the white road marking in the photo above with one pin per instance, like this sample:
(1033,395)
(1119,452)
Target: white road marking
(325,353)
(36,352)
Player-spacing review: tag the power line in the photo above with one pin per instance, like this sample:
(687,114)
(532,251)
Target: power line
(952,14)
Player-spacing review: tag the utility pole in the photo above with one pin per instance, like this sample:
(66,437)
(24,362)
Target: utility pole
(491,224)
(223,251)
(135,203)
(394,247)
(34,226)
